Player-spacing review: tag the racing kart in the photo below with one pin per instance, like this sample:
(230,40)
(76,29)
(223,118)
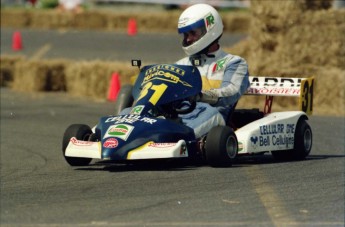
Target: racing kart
(153,129)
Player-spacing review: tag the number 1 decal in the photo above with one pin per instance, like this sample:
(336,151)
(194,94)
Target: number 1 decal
(157,94)
(306,97)
(159,90)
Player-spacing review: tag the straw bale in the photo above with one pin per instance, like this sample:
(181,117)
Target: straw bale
(157,21)
(14,18)
(7,68)
(298,39)
(236,22)
(51,19)
(89,20)
(294,33)
(92,78)
(116,22)
(40,75)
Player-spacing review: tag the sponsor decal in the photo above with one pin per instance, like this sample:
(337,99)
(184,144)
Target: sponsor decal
(219,65)
(276,129)
(209,21)
(121,131)
(111,143)
(165,76)
(274,91)
(130,119)
(80,142)
(281,135)
(275,82)
(254,141)
(276,140)
(275,86)
(170,68)
(161,145)
(167,73)
(182,22)
(137,109)
(240,146)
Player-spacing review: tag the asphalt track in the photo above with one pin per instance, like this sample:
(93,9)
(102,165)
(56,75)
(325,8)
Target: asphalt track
(91,45)
(39,189)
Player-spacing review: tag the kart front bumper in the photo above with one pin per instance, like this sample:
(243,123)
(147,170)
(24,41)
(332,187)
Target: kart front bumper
(150,150)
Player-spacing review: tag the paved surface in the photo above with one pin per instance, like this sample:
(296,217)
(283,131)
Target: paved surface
(39,189)
(91,45)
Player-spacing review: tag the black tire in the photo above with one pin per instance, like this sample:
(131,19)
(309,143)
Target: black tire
(124,98)
(302,144)
(303,140)
(81,132)
(221,146)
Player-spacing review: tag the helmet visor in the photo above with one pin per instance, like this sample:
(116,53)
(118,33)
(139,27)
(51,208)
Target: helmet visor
(193,32)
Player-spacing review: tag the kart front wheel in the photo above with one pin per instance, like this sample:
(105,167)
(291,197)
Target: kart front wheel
(221,146)
(80,132)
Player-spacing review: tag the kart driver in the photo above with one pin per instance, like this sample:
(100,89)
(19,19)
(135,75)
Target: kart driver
(224,76)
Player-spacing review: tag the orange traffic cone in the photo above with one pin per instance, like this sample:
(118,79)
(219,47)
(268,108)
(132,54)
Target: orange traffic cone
(17,41)
(114,87)
(132,27)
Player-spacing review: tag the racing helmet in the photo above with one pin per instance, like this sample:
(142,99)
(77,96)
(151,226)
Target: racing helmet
(204,17)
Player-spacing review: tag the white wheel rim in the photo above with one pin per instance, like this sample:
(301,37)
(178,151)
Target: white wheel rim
(307,140)
(231,147)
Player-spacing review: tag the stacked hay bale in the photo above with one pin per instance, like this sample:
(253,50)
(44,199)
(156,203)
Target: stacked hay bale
(92,79)
(299,38)
(79,78)
(38,75)
(164,21)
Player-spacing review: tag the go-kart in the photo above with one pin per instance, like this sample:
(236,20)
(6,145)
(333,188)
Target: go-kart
(153,129)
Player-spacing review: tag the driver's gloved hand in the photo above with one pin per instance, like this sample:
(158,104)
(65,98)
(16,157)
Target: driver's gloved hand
(208,96)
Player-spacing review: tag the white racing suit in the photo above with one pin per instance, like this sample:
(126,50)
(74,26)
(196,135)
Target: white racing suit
(225,78)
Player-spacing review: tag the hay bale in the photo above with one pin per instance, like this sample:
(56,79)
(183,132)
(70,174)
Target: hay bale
(159,21)
(89,20)
(40,75)
(14,18)
(165,21)
(116,22)
(236,22)
(294,33)
(318,40)
(92,78)
(298,39)
(7,69)
(51,19)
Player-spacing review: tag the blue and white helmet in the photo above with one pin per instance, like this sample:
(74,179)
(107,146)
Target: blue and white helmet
(200,16)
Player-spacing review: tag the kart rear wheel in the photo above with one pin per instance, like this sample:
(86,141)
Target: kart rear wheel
(303,140)
(81,132)
(221,146)
(302,144)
